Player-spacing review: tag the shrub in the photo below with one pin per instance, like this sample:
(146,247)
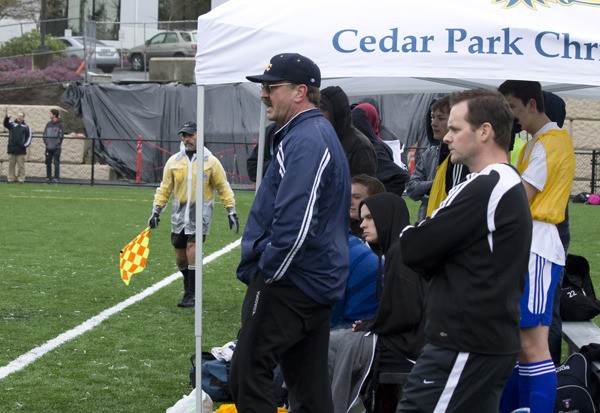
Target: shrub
(18,72)
(29,43)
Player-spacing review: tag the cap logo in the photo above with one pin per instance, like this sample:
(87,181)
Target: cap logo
(268,67)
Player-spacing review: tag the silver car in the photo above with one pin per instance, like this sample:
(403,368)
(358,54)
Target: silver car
(100,55)
(172,43)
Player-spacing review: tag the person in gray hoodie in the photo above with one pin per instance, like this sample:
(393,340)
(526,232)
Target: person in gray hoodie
(53,136)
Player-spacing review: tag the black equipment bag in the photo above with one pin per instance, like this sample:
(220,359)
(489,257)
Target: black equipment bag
(578,299)
(572,393)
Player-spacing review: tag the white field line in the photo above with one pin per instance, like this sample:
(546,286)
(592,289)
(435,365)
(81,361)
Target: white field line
(25,359)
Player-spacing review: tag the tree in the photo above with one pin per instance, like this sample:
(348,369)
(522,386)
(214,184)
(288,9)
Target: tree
(20,9)
(175,10)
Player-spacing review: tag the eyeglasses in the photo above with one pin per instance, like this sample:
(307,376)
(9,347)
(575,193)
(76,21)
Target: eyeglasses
(267,88)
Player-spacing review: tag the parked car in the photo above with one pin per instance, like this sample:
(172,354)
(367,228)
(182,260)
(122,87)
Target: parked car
(101,55)
(172,43)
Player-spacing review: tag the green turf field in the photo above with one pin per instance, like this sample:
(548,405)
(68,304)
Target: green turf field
(59,266)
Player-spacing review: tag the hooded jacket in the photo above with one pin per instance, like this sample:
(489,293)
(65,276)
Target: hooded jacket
(385,133)
(361,155)
(19,137)
(389,173)
(53,134)
(400,318)
(179,180)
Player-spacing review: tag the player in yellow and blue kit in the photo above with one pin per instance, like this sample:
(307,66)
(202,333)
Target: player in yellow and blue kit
(547,167)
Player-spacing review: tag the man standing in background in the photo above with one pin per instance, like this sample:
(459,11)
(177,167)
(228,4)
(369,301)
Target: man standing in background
(19,139)
(53,136)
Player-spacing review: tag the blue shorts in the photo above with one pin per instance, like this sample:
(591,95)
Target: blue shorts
(540,283)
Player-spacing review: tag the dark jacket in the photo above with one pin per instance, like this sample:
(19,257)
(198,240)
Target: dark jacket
(19,137)
(53,134)
(385,133)
(269,150)
(400,318)
(298,223)
(361,155)
(389,173)
(475,252)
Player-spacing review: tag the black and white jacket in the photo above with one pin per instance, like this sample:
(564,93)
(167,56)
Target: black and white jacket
(475,250)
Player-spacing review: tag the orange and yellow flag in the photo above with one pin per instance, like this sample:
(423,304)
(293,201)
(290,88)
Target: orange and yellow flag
(134,255)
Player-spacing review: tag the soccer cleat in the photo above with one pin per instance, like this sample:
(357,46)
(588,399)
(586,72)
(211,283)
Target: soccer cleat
(187,301)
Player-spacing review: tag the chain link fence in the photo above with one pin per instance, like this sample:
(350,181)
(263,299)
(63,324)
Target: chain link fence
(83,161)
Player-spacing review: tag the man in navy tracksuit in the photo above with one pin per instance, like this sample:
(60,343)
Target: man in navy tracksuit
(294,248)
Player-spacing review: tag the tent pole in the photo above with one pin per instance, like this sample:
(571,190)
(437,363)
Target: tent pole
(261,146)
(199,231)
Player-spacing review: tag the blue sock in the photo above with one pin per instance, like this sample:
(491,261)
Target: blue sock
(510,395)
(542,385)
(524,385)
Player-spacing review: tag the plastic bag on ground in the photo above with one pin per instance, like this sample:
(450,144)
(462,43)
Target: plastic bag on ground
(188,404)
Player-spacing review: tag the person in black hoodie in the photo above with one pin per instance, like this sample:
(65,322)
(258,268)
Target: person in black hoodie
(359,151)
(396,333)
(392,175)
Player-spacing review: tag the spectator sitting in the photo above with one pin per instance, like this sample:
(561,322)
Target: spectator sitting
(360,298)
(419,184)
(385,133)
(393,176)
(363,186)
(396,333)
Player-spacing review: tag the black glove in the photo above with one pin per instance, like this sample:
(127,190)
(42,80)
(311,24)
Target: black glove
(234,222)
(154,220)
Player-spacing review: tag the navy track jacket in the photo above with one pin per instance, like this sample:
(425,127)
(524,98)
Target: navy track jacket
(298,223)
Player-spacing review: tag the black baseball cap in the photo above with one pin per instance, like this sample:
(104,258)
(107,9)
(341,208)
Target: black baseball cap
(292,67)
(189,128)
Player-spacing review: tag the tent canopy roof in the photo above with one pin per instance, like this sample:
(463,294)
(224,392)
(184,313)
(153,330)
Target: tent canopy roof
(391,46)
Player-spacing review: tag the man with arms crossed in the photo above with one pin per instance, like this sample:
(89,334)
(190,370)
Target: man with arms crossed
(474,252)
(547,167)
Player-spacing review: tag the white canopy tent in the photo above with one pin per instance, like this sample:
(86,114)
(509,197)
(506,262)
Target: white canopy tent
(401,46)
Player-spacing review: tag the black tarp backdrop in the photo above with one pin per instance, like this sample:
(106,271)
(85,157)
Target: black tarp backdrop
(114,115)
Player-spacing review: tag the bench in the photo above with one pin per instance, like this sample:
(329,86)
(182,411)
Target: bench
(580,333)
(575,333)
